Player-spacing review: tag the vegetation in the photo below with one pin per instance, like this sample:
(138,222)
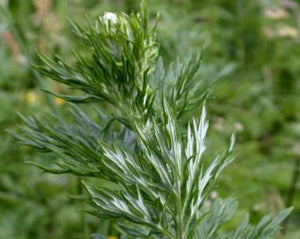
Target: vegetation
(134,109)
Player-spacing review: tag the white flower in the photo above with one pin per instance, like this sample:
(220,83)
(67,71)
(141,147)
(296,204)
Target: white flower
(213,194)
(283,31)
(287,31)
(238,126)
(276,13)
(110,17)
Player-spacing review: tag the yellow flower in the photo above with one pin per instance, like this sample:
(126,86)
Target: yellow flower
(59,101)
(30,97)
(112,237)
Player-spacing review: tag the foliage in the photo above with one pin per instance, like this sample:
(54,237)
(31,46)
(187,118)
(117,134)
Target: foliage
(160,182)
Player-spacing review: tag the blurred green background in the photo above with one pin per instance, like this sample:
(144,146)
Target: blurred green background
(252,46)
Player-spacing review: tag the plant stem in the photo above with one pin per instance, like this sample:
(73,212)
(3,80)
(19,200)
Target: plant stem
(179,219)
(292,192)
(82,213)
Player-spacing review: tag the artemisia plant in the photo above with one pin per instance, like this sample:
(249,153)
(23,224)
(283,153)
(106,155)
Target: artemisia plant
(161,182)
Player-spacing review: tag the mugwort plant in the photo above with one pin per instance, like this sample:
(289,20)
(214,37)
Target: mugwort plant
(160,179)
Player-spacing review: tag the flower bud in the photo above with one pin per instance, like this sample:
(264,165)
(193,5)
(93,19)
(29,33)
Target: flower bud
(110,17)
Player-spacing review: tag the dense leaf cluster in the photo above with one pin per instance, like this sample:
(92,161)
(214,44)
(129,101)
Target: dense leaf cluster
(161,183)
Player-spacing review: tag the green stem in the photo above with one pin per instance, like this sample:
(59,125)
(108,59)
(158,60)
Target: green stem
(163,231)
(82,213)
(292,192)
(179,216)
